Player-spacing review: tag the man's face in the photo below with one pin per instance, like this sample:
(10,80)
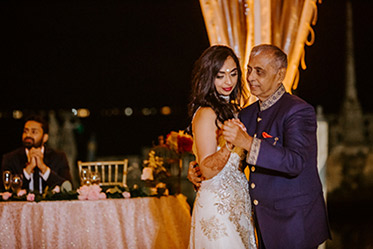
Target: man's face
(33,134)
(262,75)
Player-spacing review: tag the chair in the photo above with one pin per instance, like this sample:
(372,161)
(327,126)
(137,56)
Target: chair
(111,172)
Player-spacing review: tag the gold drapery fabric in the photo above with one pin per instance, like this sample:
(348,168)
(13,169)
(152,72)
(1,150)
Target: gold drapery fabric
(242,24)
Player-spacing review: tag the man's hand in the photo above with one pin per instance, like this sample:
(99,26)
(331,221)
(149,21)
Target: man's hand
(37,159)
(30,165)
(235,133)
(195,175)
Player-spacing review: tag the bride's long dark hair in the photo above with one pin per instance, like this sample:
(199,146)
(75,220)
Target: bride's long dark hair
(204,92)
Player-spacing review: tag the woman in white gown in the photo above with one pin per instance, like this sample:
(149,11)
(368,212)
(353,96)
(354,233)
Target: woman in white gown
(222,209)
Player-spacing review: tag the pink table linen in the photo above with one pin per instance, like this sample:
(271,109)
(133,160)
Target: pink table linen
(148,222)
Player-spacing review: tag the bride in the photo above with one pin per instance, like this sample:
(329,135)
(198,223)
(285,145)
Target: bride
(222,211)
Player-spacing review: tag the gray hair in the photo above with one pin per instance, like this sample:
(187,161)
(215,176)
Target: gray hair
(279,57)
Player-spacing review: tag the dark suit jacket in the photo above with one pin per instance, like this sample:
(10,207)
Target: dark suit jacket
(16,160)
(285,186)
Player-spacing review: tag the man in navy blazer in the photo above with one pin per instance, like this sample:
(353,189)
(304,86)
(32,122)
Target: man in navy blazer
(38,165)
(280,140)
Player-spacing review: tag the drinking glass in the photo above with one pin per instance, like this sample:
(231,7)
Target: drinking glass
(16,183)
(7,179)
(95,177)
(85,177)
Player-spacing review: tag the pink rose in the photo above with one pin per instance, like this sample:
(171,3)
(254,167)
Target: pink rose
(126,194)
(30,197)
(102,196)
(147,174)
(95,188)
(5,195)
(21,192)
(93,195)
(83,192)
(92,192)
(82,198)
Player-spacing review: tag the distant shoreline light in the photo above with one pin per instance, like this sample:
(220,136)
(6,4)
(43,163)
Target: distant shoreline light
(108,112)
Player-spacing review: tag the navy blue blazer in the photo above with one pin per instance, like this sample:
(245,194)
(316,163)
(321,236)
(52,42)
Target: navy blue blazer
(16,160)
(285,186)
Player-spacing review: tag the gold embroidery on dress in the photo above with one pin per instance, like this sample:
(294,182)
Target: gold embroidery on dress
(212,229)
(232,201)
(234,204)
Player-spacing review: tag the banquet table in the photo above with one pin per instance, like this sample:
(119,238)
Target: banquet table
(147,222)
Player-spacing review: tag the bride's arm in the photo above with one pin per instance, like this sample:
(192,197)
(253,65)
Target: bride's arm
(210,160)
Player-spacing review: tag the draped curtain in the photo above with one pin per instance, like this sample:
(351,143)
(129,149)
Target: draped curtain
(242,24)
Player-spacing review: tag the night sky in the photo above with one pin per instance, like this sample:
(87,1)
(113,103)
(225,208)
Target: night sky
(99,53)
(115,54)
(323,82)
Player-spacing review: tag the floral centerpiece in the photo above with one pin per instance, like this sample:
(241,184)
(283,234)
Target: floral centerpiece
(154,169)
(180,142)
(154,174)
(55,193)
(85,192)
(91,192)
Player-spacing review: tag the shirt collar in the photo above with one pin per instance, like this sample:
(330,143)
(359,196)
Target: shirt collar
(264,105)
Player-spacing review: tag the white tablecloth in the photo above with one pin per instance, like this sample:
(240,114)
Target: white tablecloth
(113,223)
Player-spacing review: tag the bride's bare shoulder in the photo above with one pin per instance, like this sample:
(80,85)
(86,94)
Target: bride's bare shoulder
(205,113)
(204,120)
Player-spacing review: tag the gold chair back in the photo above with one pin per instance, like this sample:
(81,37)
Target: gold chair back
(111,172)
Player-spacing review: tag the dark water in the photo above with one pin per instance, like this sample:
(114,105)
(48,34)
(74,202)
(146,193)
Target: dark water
(351,224)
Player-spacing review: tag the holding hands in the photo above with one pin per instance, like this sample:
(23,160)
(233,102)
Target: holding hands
(234,132)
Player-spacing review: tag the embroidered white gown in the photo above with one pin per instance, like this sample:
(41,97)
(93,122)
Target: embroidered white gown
(222,210)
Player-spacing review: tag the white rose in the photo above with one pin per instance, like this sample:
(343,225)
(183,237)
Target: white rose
(147,174)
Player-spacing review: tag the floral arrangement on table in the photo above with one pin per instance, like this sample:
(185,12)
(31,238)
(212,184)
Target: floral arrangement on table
(91,192)
(85,192)
(180,142)
(154,174)
(164,163)
(57,193)
(154,170)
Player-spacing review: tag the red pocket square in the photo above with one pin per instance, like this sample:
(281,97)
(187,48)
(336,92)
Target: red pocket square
(265,135)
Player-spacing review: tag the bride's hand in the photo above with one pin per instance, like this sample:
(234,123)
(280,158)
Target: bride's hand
(229,146)
(239,123)
(235,132)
